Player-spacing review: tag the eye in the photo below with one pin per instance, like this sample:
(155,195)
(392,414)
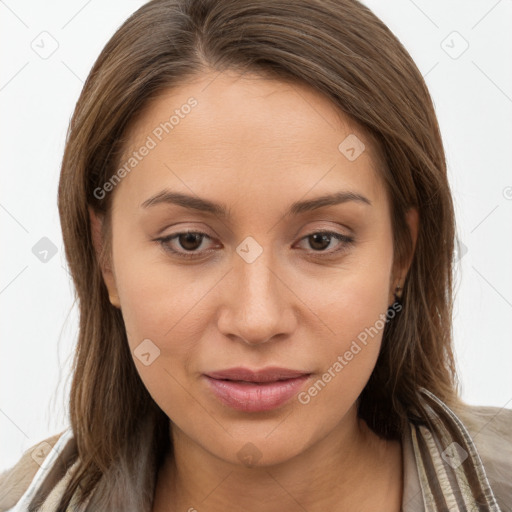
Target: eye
(322,239)
(191,241)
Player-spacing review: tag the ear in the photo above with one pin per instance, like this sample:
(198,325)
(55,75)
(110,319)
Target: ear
(105,266)
(399,273)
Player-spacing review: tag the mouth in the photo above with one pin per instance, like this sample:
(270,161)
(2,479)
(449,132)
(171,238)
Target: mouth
(251,391)
(268,374)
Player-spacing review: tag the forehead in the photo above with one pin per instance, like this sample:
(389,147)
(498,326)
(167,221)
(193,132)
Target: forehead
(249,130)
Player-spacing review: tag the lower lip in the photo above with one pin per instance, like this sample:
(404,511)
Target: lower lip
(251,397)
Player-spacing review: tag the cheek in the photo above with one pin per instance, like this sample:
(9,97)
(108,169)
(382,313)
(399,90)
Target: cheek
(163,305)
(354,310)
(163,309)
(157,296)
(358,307)
(160,312)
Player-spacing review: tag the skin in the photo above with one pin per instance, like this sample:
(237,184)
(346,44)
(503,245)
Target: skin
(257,145)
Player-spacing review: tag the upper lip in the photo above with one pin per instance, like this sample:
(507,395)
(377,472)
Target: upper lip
(269,374)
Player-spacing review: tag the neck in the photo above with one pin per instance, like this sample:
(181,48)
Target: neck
(350,469)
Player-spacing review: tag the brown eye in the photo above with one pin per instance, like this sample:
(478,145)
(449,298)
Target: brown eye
(187,246)
(189,241)
(321,240)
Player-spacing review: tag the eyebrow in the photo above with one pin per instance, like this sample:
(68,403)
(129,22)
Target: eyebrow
(196,203)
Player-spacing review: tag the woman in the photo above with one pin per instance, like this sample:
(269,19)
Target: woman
(259,226)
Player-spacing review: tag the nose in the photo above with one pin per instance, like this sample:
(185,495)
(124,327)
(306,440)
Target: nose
(259,306)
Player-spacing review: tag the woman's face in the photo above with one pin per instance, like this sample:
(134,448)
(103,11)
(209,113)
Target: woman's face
(274,278)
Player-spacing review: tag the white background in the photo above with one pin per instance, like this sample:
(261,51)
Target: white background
(38,329)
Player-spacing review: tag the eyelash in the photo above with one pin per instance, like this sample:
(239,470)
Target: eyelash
(347,241)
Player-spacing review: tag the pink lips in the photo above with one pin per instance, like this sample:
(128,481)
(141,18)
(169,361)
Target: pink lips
(255,391)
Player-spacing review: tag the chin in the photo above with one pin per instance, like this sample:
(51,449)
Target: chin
(259,451)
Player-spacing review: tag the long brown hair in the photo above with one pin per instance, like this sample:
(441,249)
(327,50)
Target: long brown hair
(340,49)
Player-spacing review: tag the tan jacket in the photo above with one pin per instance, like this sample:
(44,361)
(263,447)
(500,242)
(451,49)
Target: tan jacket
(445,488)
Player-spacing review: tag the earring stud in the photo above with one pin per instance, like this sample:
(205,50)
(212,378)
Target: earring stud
(398,293)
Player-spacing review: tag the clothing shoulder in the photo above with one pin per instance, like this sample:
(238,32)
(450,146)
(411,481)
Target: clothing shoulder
(491,431)
(15,480)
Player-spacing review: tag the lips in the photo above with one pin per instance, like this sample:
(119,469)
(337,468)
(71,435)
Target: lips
(255,390)
(269,374)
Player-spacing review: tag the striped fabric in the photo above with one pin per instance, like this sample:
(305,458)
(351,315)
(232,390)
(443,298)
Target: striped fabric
(451,473)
